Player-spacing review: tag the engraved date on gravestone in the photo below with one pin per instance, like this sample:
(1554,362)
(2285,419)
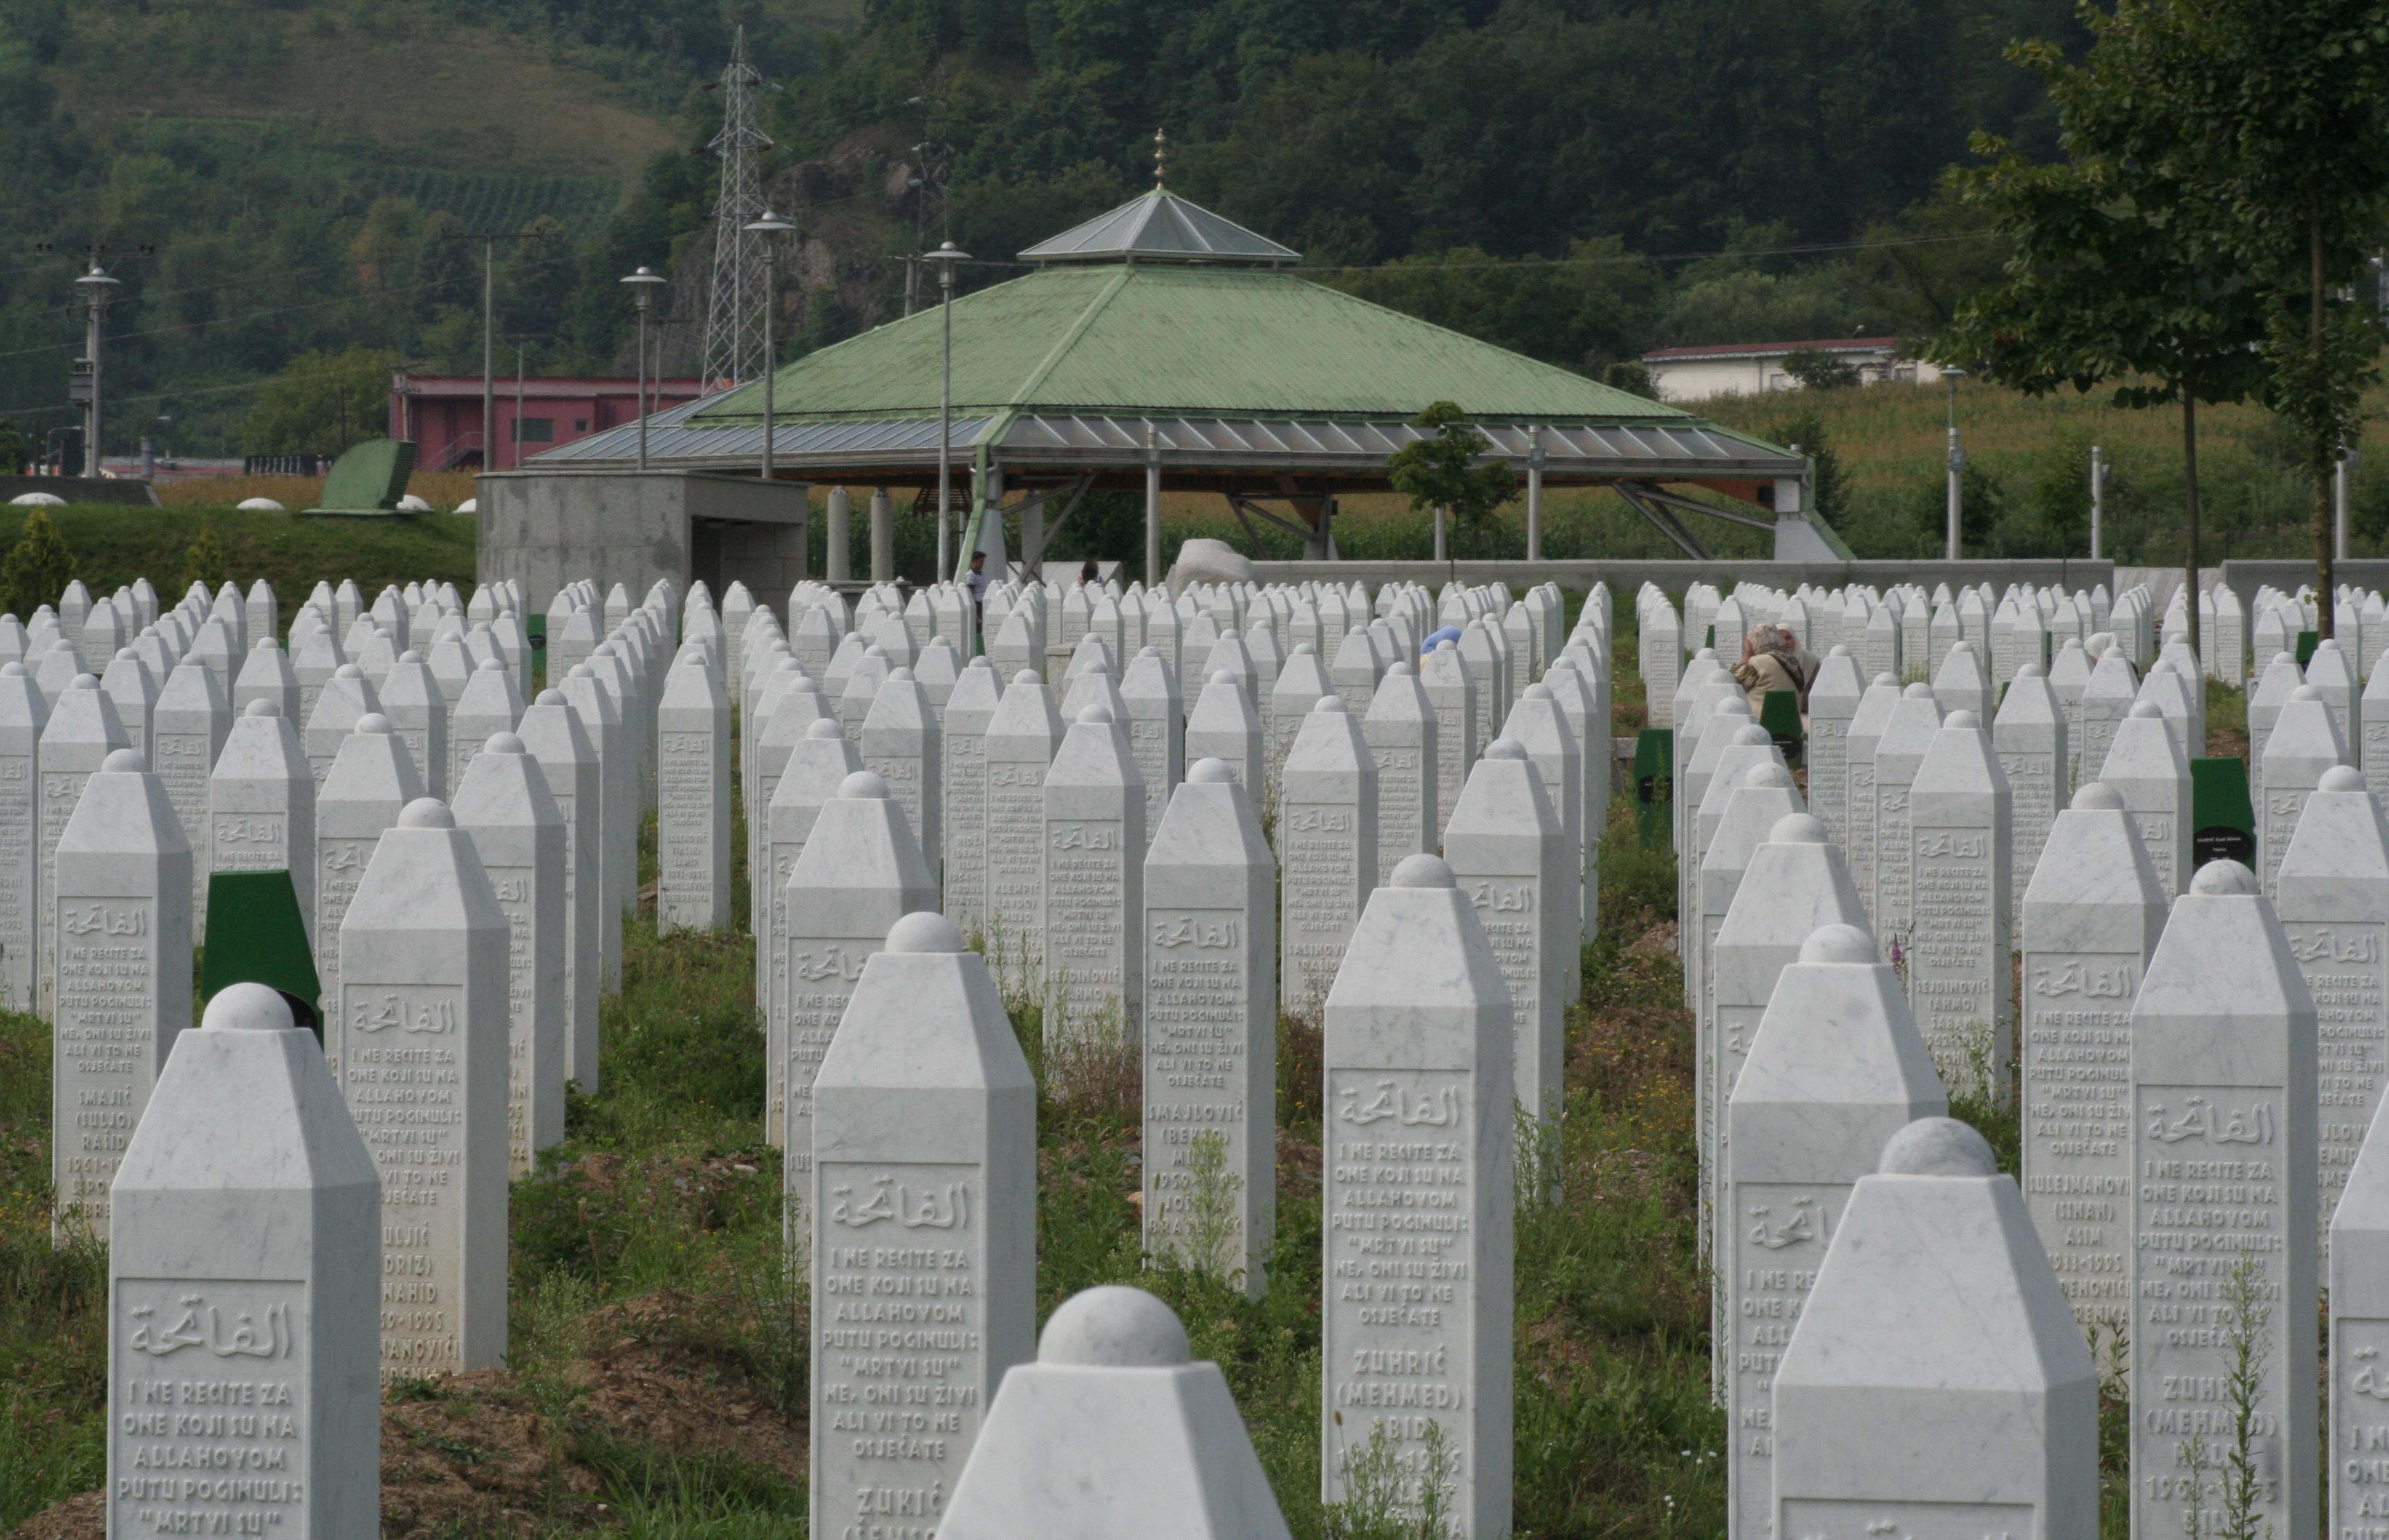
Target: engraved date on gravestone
(405,1071)
(213,1383)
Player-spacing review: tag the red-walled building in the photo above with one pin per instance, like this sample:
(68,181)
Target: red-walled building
(443,414)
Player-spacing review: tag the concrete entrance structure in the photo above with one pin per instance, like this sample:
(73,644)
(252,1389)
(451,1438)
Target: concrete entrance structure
(543,527)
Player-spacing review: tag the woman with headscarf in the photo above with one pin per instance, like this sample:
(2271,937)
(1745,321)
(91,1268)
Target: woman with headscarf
(1772,661)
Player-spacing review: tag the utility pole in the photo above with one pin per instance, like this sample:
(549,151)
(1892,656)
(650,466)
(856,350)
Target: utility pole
(946,256)
(489,352)
(1957,468)
(98,289)
(771,229)
(2098,500)
(932,156)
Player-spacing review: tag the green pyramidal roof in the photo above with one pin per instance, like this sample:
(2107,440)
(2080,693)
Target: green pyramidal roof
(1137,338)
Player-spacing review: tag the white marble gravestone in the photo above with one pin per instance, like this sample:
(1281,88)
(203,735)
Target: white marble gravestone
(1094,883)
(1449,688)
(1866,736)
(2092,913)
(2305,743)
(245,1256)
(1021,740)
(346,697)
(922,1238)
(2360,1334)
(1908,734)
(1223,726)
(265,674)
(422,1022)
(901,741)
(817,767)
(1301,682)
(2223,1166)
(411,698)
(1419,1111)
(1048,1461)
(693,787)
(1509,856)
(1961,831)
(1401,730)
(371,782)
(551,729)
(961,780)
(2029,735)
(1156,731)
(2145,767)
(861,871)
(1761,796)
(80,733)
(23,714)
(2333,903)
(1210,1031)
(488,704)
(122,990)
(2106,697)
(518,831)
(1835,1068)
(261,803)
(1327,848)
(1832,703)
(1935,1384)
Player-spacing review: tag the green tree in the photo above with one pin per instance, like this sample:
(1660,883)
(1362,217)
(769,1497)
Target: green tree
(1442,472)
(1818,369)
(2289,103)
(322,403)
(2119,271)
(1806,433)
(15,453)
(203,562)
(38,567)
(1631,375)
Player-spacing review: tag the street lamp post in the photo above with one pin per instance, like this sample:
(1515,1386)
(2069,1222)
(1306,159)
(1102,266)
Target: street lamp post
(99,291)
(946,256)
(772,227)
(643,284)
(1957,465)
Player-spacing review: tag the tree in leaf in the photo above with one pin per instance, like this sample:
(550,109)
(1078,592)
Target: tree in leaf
(1441,471)
(2288,103)
(1818,369)
(203,561)
(38,567)
(2120,270)
(322,403)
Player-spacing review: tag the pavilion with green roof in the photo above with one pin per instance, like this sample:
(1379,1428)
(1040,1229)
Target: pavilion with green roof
(1163,336)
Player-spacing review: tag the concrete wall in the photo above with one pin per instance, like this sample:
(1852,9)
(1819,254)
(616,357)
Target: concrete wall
(547,527)
(2290,576)
(1625,578)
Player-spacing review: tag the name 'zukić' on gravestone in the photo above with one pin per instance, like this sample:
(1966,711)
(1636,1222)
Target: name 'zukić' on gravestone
(2334,910)
(923,1230)
(422,1018)
(2223,1213)
(244,1255)
(1420,1126)
(1835,1068)
(2091,917)
(124,986)
(1210,1031)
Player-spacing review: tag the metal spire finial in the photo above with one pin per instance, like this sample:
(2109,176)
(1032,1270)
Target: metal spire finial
(1160,156)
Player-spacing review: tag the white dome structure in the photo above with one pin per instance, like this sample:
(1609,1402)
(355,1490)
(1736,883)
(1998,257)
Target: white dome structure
(37,500)
(258,506)
(411,503)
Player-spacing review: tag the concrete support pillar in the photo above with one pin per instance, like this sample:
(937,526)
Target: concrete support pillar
(883,536)
(1032,539)
(840,561)
(1442,533)
(1152,506)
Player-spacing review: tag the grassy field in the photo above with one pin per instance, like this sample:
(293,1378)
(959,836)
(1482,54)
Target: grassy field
(657,1382)
(113,545)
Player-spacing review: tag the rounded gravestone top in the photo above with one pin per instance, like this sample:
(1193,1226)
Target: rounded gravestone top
(1447,645)
(248,1007)
(875,650)
(261,707)
(824,727)
(1114,1326)
(1505,749)
(1332,704)
(2075,642)
(1027,676)
(1920,691)
(1844,944)
(900,672)
(1798,829)
(265,644)
(1098,714)
(1938,1147)
(2031,670)
(1143,652)
(2284,657)
(1302,647)
(550,696)
(1709,653)
(1537,693)
(1405,671)
(1837,650)
(85,681)
(504,743)
(863,787)
(127,652)
(1097,665)
(2305,693)
(1962,645)
(580,670)
(493,666)
(2224,878)
(1750,736)
(2101,797)
(124,761)
(411,655)
(925,930)
(1209,772)
(2172,637)
(1423,871)
(1767,774)
(427,812)
(348,671)
(1966,720)
(1885,677)
(374,721)
(2330,642)
(2150,709)
(2340,778)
